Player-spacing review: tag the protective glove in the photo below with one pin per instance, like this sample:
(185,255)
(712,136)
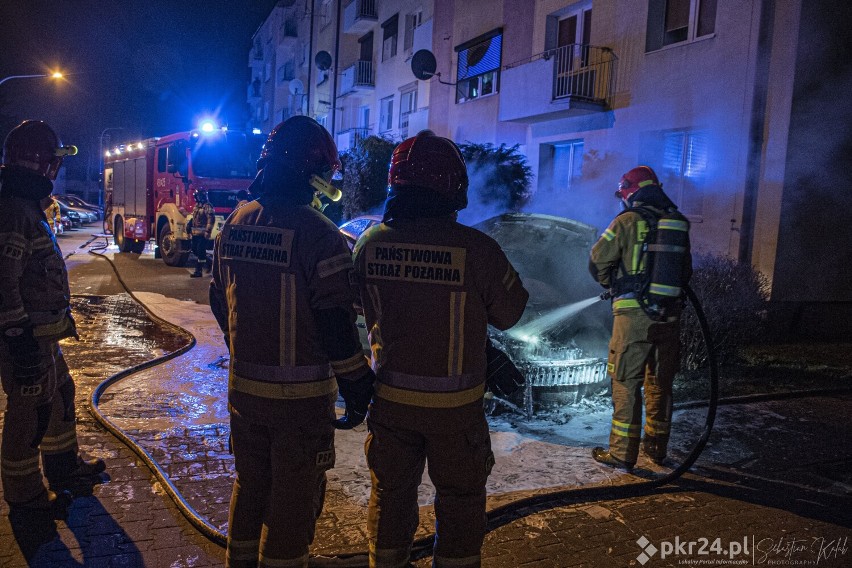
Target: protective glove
(24,350)
(502,377)
(356,396)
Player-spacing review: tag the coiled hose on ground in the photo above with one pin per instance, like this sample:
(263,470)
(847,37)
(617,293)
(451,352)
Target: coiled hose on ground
(423,546)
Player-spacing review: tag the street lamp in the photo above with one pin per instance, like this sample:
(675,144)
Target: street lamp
(54,75)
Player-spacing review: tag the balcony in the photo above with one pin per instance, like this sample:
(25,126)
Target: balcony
(357,78)
(359,16)
(571,80)
(348,139)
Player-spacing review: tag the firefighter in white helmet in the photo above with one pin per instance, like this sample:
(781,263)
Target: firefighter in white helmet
(281,293)
(34,315)
(429,289)
(643,259)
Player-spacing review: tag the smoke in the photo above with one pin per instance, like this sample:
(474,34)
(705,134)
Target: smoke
(483,201)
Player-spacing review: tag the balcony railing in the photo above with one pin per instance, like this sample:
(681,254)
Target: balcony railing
(349,138)
(358,76)
(359,16)
(582,72)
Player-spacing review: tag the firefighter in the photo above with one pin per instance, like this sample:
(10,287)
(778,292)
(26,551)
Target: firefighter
(53,214)
(34,315)
(281,293)
(429,288)
(645,346)
(203,221)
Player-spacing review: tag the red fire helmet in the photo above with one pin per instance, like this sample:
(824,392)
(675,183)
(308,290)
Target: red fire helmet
(302,146)
(35,146)
(430,162)
(634,180)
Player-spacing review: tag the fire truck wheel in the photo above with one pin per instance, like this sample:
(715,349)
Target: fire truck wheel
(122,242)
(171,249)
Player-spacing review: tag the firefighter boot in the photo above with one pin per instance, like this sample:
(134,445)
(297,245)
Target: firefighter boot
(198,266)
(48,503)
(651,448)
(603,456)
(81,478)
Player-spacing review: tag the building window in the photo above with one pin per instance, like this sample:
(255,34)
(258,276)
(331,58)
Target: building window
(266,110)
(561,166)
(680,158)
(267,71)
(286,72)
(390,31)
(407,105)
(412,22)
(676,21)
(479,66)
(322,119)
(386,114)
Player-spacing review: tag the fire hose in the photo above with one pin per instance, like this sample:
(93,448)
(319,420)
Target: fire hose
(422,547)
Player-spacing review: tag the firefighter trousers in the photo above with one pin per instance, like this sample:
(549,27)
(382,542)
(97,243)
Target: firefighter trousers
(642,353)
(456,443)
(282,450)
(39,419)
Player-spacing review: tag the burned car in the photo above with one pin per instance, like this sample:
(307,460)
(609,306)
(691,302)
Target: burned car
(560,343)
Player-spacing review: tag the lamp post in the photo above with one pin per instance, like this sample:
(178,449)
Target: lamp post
(54,75)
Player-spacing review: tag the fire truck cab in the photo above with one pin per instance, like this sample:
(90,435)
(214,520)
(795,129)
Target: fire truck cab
(149,186)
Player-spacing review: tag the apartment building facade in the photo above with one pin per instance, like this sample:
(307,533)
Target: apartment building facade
(710,93)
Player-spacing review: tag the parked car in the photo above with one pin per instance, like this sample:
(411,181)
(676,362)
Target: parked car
(354,228)
(75,216)
(66,223)
(74,201)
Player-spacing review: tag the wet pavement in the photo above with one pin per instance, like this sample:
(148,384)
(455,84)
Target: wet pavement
(773,472)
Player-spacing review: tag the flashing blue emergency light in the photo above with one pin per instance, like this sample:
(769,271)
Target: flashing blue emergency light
(256,131)
(208,126)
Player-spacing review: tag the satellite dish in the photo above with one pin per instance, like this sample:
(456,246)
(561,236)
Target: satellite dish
(423,64)
(322,60)
(296,87)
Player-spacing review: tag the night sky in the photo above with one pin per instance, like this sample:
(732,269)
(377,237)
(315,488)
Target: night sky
(151,67)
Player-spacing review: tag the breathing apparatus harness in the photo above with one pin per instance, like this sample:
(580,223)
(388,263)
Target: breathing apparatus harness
(658,285)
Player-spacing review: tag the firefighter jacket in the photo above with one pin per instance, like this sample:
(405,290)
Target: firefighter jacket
(54,216)
(429,288)
(203,219)
(617,256)
(276,272)
(33,279)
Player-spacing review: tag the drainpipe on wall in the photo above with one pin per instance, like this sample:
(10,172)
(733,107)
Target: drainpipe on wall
(335,66)
(756,130)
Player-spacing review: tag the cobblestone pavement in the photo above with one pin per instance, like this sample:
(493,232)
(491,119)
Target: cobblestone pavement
(781,487)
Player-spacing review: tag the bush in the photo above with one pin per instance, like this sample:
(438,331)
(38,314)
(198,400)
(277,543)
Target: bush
(733,296)
(499,175)
(365,178)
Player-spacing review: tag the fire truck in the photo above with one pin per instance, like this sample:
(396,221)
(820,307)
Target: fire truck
(149,186)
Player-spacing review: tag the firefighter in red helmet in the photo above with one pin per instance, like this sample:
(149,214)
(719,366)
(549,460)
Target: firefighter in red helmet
(282,296)
(643,259)
(34,315)
(429,288)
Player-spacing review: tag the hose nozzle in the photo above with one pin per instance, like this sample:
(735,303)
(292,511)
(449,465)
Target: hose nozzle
(606,294)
